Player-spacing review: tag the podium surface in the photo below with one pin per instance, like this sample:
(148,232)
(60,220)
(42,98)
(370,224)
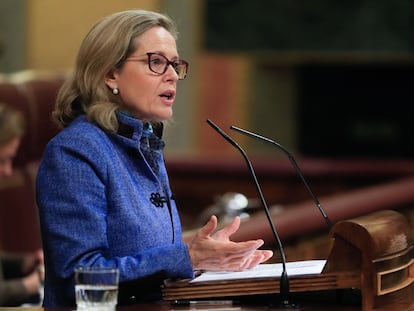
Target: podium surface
(371,253)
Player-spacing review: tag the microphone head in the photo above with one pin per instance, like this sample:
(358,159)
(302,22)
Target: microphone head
(222,133)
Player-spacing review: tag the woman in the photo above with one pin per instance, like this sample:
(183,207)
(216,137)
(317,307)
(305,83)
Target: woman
(102,188)
(20,281)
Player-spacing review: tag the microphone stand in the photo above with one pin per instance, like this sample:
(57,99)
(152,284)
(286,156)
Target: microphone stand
(284,279)
(295,166)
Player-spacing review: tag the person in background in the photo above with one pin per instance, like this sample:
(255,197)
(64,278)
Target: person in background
(102,187)
(11,132)
(20,274)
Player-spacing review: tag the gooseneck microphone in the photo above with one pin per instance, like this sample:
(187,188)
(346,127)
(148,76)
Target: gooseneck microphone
(284,279)
(294,163)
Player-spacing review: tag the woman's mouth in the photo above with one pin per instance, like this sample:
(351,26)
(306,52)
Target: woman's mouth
(169,95)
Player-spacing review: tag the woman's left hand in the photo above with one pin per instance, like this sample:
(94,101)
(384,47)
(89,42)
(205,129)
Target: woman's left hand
(214,251)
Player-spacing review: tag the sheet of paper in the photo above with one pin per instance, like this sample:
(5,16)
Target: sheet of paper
(307,267)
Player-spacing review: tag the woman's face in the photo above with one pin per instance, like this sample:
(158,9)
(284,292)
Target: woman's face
(144,94)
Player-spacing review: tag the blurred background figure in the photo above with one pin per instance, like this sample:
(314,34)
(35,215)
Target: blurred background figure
(21,275)
(11,132)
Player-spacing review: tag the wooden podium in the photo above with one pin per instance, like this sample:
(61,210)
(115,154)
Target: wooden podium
(373,253)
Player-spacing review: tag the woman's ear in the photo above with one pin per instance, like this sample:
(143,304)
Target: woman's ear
(110,79)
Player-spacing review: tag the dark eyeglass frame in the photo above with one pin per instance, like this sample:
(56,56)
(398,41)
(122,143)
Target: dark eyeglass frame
(180,66)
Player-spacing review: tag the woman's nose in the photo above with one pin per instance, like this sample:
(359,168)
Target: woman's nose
(171,72)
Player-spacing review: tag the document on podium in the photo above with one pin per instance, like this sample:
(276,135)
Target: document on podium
(294,268)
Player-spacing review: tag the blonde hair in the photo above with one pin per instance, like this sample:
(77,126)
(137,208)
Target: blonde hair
(11,124)
(105,47)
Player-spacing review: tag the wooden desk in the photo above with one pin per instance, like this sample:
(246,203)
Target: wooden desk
(167,307)
(311,301)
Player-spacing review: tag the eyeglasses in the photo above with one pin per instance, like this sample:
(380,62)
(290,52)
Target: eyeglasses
(158,64)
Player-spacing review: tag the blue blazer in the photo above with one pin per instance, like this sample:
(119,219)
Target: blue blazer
(101,203)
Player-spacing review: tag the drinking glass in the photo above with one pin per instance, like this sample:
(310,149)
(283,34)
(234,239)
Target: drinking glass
(96,288)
